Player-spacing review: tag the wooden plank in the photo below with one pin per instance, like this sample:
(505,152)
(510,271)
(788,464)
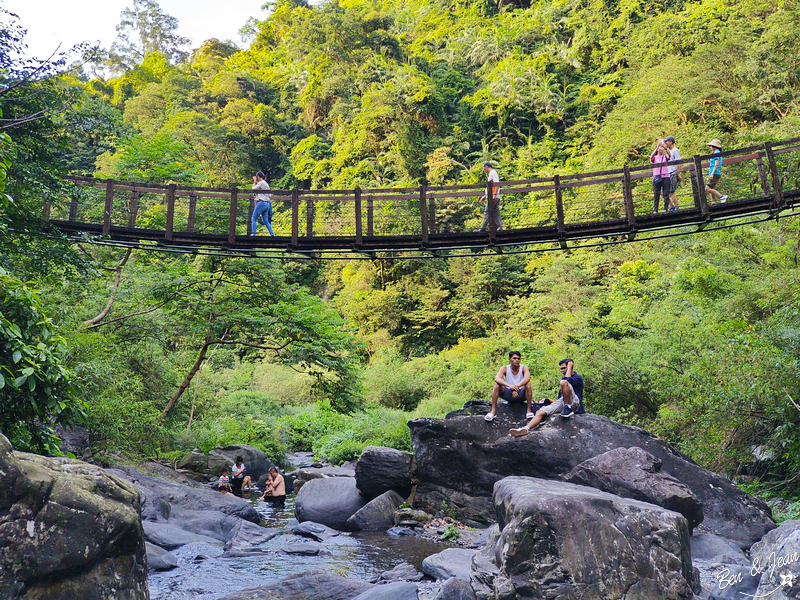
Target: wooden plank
(309,217)
(627,192)
(133,209)
(370,217)
(423,214)
(192,213)
(397,197)
(170,212)
(559,209)
(108,207)
(232,215)
(776,178)
(762,175)
(700,200)
(432,213)
(359,231)
(295,217)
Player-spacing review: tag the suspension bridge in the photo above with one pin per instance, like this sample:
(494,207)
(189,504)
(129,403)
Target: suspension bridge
(565,211)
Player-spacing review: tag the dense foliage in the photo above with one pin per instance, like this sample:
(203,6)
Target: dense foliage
(695,338)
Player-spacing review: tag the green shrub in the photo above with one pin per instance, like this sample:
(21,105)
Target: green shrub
(266,435)
(311,424)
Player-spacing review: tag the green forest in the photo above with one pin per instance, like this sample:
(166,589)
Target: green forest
(694,338)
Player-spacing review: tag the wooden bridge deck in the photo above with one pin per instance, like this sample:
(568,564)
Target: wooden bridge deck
(562,211)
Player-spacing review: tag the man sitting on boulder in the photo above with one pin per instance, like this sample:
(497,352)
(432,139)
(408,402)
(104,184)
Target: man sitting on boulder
(570,399)
(514,383)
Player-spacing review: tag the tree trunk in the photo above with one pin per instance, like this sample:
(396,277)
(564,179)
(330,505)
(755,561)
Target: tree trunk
(188,380)
(118,270)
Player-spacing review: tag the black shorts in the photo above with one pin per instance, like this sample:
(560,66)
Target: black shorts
(507,391)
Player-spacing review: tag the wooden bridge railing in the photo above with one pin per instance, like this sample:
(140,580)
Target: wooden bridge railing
(757,178)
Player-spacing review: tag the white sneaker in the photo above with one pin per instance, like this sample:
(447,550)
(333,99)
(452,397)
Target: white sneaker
(518,432)
(530,416)
(489,416)
(723,199)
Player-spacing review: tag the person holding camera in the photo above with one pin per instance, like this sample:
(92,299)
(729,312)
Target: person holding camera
(263,208)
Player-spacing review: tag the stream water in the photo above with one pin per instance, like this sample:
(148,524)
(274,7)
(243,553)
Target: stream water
(203,573)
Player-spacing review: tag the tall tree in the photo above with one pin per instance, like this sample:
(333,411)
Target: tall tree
(145,28)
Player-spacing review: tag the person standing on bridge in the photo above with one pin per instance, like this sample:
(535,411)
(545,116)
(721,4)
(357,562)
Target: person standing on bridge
(658,157)
(715,171)
(263,209)
(493,179)
(674,171)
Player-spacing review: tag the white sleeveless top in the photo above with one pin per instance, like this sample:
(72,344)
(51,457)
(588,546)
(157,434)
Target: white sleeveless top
(512,379)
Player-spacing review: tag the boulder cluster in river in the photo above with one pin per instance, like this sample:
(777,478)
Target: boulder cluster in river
(581,508)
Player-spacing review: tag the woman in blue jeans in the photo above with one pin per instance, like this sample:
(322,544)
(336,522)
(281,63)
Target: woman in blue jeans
(658,157)
(263,209)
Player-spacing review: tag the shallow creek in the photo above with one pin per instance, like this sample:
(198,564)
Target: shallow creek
(202,573)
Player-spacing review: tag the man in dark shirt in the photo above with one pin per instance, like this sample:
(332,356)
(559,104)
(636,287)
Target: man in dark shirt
(569,402)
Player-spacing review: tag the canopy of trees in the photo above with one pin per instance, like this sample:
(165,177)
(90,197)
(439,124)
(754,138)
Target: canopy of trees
(694,338)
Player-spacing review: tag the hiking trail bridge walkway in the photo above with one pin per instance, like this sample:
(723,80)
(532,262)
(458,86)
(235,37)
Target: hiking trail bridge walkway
(585,209)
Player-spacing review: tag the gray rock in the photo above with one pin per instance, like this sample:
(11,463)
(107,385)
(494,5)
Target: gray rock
(170,536)
(194,461)
(330,501)
(306,474)
(560,540)
(460,459)
(315,531)
(456,589)
(309,585)
(453,562)
(159,559)
(399,590)
(410,517)
(377,514)
(487,536)
(69,530)
(399,531)
(402,572)
(75,440)
(160,497)
(710,547)
(635,473)
(306,548)
(777,556)
(382,469)
(211,523)
(255,460)
(248,539)
(730,582)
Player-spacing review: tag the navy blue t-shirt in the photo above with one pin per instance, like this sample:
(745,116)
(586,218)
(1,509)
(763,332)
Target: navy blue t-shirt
(576,381)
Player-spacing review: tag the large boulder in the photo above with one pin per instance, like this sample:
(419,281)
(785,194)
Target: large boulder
(330,501)
(635,473)
(398,590)
(382,469)
(456,589)
(777,558)
(452,562)
(194,461)
(254,459)
(159,559)
(309,585)
(377,514)
(306,474)
(160,497)
(68,529)
(560,540)
(459,460)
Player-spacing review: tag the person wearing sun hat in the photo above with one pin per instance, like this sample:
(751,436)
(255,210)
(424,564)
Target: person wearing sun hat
(715,171)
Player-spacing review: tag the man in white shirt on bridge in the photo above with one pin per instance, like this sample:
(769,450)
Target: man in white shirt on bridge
(494,179)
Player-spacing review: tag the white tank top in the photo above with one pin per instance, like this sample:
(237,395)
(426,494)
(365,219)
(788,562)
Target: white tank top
(512,379)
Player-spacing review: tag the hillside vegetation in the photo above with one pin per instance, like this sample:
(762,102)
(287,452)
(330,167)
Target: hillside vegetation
(695,338)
